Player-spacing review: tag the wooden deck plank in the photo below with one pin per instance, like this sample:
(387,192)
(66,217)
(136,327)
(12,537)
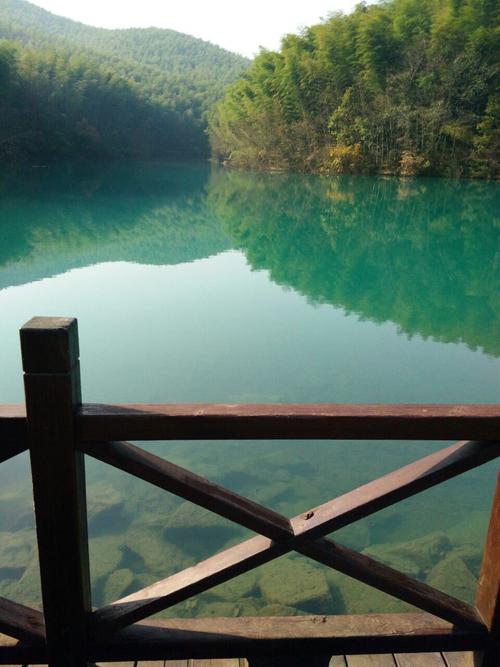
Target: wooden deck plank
(288,636)
(231,662)
(455,659)
(460,659)
(384,660)
(419,660)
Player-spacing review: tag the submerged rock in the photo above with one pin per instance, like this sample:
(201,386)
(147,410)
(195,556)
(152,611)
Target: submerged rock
(16,549)
(295,583)
(104,509)
(472,557)
(452,576)
(278,610)
(226,609)
(355,536)
(118,585)
(240,587)
(16,512)
(354,597)
(472,530)
(197,531)
(28,590)
(415,558)
(105,556)
(151,552)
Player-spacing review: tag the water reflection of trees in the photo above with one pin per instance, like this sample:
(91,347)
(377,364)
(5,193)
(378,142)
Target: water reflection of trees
(421,253)
(56,219)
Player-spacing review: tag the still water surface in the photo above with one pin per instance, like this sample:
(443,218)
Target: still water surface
(197,284)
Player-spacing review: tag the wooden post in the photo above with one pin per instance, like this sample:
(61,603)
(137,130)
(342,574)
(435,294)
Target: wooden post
(52,386)
(488,591)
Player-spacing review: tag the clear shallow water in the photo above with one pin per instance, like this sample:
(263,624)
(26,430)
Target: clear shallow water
(194,284)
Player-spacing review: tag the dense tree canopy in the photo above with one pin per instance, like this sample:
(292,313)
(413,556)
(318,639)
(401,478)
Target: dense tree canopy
(402,86)
(69,89)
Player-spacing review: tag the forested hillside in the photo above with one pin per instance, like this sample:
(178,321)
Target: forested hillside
(403,86)
(71,89)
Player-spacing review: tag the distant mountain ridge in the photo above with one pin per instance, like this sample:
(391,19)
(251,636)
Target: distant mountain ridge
(159,47)
(71,89)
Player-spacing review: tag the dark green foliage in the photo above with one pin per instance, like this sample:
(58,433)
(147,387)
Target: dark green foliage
(403,86)
(69,89)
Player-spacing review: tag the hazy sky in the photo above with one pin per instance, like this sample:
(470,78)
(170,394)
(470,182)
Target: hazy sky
(234,24)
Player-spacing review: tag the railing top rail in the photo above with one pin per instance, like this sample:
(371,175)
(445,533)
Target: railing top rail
(193,421)
(288,421)
(13,428)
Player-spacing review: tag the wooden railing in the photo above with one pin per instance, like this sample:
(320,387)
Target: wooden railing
(58,430)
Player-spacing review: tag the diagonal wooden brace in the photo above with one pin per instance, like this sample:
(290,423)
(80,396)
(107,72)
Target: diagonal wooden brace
(333,515)
(21,622)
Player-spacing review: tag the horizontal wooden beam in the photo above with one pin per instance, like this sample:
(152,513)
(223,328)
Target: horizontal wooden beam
(13,430)
(279,421)
(336,514)
(286,421)
(291,636)
(21,622)
(13,652)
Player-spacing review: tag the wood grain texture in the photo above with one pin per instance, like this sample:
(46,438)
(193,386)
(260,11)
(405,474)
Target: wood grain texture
(189,486)
(49,345)
(52,386)
(460,659)
(287,421)
(384,660)
(276,659)
(21,622)
(419,660)
(214,662)
(488,590)
(288,637)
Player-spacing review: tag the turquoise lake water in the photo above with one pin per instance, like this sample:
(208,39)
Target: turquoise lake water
(193,283)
